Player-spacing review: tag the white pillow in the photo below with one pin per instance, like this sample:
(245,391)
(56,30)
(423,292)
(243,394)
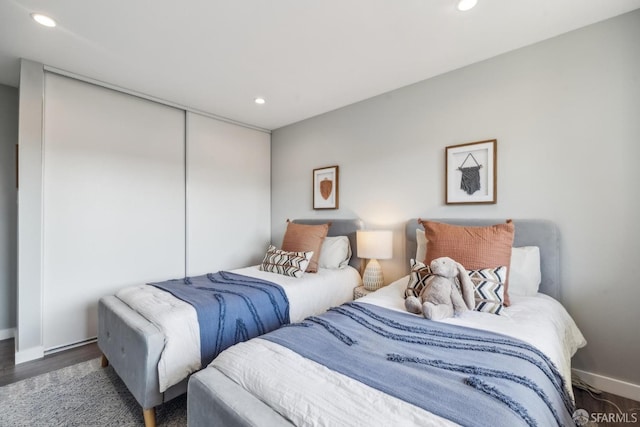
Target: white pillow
(421,250)
(335,252)
(524,272)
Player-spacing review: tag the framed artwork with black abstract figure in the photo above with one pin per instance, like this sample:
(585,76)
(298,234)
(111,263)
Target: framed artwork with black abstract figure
(325,188)
(471,173)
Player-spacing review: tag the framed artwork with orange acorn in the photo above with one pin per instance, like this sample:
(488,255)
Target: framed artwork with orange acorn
(325,188)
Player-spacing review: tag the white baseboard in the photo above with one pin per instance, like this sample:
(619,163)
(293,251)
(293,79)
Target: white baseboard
(610,385)
(5,334)
(29,355)
(70,346)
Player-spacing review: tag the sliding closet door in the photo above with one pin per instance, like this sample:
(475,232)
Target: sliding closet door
(114,192)
(228,195)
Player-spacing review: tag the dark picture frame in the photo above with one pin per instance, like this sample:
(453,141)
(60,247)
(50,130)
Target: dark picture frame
(326,187)
(471,175)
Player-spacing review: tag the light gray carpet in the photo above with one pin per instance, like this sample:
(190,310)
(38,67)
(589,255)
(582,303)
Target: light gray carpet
(81,395)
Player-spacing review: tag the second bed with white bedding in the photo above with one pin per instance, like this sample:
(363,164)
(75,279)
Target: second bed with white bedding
(309,393)
(133,345)
(178,320)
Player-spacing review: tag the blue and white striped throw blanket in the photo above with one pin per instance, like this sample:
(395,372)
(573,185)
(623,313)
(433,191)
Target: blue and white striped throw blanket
(231,308)
(469,376)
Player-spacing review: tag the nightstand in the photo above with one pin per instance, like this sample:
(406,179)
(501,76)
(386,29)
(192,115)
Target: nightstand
(360,291)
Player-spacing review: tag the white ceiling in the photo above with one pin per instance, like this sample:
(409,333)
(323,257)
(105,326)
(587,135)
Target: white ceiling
(305,57)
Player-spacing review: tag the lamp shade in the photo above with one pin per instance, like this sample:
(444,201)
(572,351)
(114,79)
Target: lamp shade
(374,244)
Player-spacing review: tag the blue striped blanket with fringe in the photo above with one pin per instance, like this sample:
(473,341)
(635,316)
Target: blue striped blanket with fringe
(231,308)
(469,376)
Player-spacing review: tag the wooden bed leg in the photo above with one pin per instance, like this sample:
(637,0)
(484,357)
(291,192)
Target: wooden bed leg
(104,362)
(149,417)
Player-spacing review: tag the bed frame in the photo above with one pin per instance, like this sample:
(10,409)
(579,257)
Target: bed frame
(214,399)
(132,344)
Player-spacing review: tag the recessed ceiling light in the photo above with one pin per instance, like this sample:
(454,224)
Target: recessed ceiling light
(43,20)
(259,101)
(464,5)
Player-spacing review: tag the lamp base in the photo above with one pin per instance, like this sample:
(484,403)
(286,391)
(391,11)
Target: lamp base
(372,278)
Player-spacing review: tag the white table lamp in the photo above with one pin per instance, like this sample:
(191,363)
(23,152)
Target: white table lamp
(374,245)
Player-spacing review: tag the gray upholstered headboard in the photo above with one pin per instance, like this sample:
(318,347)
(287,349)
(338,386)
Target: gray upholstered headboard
(528,232)
(341,227)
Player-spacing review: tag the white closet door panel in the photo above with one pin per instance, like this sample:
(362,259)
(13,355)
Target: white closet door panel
(114,191)
(228,195)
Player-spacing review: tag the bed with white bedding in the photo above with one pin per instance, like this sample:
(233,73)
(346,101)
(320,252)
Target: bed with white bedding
(263,382)
(153,339)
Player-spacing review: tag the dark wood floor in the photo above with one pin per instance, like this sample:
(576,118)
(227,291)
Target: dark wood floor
(10,373)
(609,406)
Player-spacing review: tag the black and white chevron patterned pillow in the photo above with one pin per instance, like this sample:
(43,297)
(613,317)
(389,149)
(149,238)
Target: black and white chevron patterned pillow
(292,264)
(489,288)
(417,278)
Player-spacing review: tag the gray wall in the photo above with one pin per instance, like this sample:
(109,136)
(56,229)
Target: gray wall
(566,115)
(8,207)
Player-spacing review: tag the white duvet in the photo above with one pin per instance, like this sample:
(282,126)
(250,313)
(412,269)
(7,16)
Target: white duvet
(309,295)
(310,394)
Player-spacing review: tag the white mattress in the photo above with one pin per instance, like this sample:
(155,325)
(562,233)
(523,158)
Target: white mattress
(309,295)
(310,394)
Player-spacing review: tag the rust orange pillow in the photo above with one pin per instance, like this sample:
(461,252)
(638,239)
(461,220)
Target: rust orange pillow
(473,247)
(305,238)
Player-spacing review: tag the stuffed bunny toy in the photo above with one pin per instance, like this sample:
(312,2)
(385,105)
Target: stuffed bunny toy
(440,297)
